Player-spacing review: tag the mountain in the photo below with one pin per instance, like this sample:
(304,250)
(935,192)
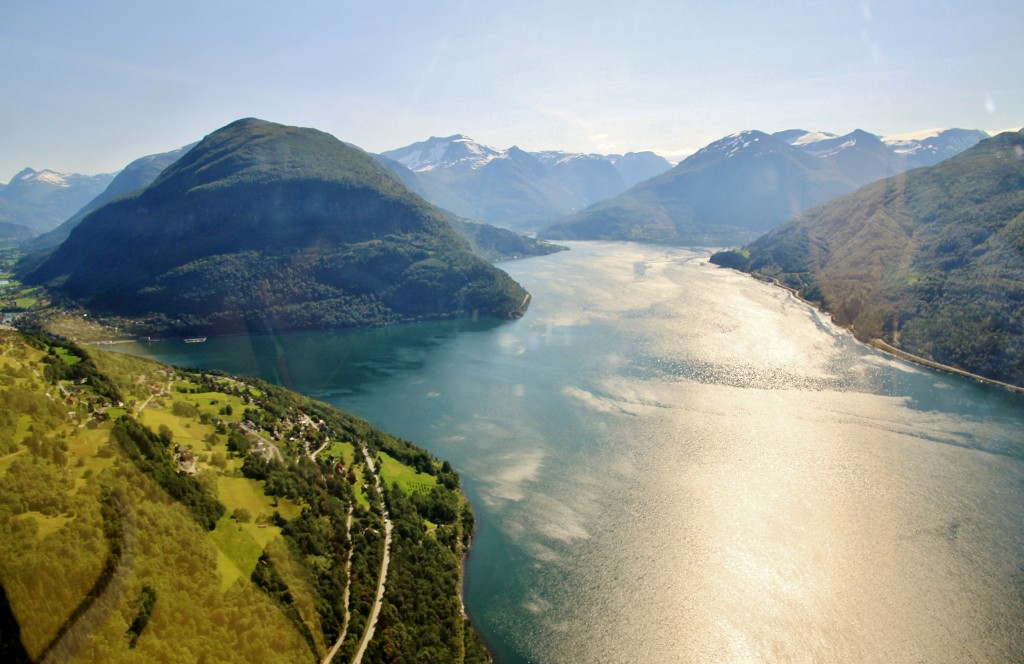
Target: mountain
(264,226)
(13,233)
(928,148)
(496,244)
(634,167)
(457,152)
(156,514)
(931,261)
(136,175)
(515,188)
(736,187)
(745,184)
(40,200)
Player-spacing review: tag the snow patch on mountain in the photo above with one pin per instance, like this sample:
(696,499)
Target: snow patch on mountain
(446,152)
(53,177)
(556,157)
(732,144)
(944,142)
(801,137)
(46,175)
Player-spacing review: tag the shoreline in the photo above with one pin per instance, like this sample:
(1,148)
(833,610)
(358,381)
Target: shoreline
(885,347)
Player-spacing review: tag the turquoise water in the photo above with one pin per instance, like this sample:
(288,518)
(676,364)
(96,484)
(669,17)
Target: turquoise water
(671,462)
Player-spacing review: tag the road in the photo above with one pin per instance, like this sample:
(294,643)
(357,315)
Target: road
(371,624)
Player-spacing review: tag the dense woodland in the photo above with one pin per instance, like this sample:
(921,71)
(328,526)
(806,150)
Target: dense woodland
(145,516)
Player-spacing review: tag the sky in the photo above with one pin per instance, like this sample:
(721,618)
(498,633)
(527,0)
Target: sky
(89,86)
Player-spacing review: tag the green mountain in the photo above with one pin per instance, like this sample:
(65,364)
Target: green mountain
(155,514)
(932,261)
(264,226)
(499,244)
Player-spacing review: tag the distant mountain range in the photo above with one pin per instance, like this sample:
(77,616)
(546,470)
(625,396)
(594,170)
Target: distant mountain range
(747,183)
(931,261)
(266,226)
(517,189)
(41,200)
(136,175)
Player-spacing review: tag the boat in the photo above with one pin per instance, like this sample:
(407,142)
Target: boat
(195,340)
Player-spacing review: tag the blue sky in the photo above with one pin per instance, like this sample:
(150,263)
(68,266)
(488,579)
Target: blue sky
(88,87)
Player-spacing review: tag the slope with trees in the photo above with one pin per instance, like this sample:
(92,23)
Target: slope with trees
(931,262)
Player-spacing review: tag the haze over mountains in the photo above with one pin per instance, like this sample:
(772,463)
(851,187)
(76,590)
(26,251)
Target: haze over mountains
(136,175)
(41,200)
(267,226)
(931,261)
(514,188)
(529,191)
(747,183)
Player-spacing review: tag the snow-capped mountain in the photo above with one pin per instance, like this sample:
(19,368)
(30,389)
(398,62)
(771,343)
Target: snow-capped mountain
(515,188)
(749,182)
(905,151)
(926,148)
(136,175)
(457,151)
(43,199)
(801,137)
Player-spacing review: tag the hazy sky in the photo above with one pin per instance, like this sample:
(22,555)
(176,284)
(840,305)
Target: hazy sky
(89,86)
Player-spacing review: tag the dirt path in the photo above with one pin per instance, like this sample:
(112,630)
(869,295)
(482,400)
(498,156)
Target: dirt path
(345,598)
(371,624)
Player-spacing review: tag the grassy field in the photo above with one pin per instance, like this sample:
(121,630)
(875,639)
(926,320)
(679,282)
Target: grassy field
(66,355)
(237,550)
(411,481)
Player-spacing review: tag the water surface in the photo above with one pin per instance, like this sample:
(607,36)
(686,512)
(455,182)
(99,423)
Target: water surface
(672,462)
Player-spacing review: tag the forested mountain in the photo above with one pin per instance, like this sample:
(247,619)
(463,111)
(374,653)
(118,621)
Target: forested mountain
(136,175)
(748,183)
(931,261)
(515,188)
(155,514)
(41,200)
(266,226)
(500,244)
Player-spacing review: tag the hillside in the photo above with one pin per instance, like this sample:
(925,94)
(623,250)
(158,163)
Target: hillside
(745,184)
(263,226)
(154,514)
(931,262)
(496,244)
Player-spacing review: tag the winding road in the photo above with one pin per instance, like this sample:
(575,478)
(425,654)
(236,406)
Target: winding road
(371,624)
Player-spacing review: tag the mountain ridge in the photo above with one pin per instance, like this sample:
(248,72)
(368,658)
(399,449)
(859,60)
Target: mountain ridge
(516,188)
(742,185)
